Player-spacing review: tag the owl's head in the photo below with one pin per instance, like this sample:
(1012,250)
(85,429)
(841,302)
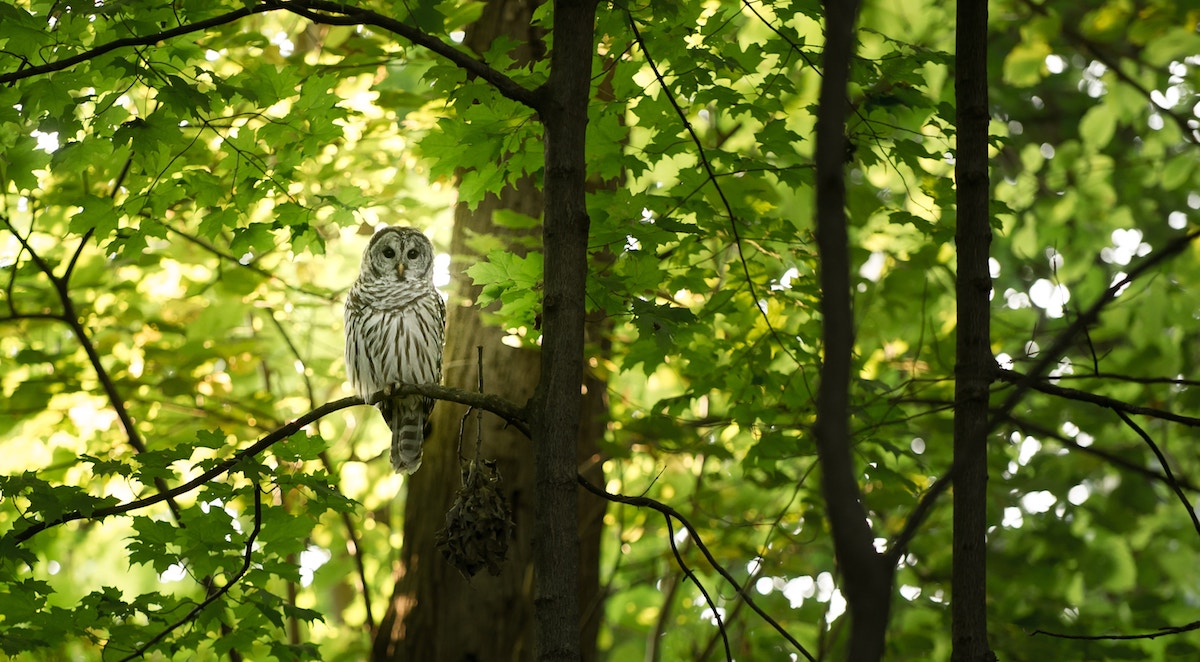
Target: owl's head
(398,253)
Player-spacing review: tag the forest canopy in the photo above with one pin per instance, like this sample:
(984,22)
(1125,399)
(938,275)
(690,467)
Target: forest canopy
(186,189)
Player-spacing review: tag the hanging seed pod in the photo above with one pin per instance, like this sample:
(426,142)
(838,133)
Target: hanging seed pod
(478,524)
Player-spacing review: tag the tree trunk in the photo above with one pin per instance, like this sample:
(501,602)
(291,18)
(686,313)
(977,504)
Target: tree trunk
(557,408)
(975,365)
(866,575)
(436,614)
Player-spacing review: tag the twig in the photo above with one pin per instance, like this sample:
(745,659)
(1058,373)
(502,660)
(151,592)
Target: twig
(71,318)
(1162,632)
(317,11)
(479,412)
(355,553)
(1065,337)
(247,557)
(696,580)
(334,13)
(1109,457)
(1162,460)
(1032,381)
(712,177)
(265,273)
(1099,400)
(127,42)
(646,502)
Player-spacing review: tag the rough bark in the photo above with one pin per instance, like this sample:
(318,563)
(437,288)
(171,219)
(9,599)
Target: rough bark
(435,614)
(975,366)
(866,577)
(557,408)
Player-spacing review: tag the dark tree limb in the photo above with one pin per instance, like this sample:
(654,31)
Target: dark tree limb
(646,502)
(1033,380)
(1043,386)
(336,13)
(866,579)
(1161,632)
(1042,432)
(1051,355)
(216,594)
(317,11)
(71,318)
(1162,460)
(506,410)
(696,580)
(975,367)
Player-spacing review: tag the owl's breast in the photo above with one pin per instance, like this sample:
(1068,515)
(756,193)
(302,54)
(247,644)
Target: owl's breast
(389,344)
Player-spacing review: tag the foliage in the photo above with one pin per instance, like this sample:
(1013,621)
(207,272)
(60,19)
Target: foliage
(178,234)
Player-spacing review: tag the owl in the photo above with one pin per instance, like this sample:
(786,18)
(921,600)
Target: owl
(395,324)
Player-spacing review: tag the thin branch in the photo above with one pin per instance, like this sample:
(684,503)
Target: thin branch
(128,42)
(1062,341)
(1162,632)
(334,13)
(898,545)
(1102,56)
(712,177)
(696,580)
(112,194)
(71,318)
(1162,460)
(511,413)
(352,545)
(1107,456)
(317,11)
(1043,386)
(646,502)
(1173,381)
(265,273)
(295,352)
(247,557)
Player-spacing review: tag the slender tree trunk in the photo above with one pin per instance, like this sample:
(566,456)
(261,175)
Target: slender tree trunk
(866,577)
(975,366)
(435,614)
(557,409)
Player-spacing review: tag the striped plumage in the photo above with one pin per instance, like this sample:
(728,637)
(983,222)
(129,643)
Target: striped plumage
(395,323)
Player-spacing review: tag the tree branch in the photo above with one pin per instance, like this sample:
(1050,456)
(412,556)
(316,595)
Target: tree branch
(317,11)
(646,502)
(1043,386)
(1107,456)
(212,597)
(1051,355)
(1162,632)
(712,177)
(129,42)
(696,580)
(866,578)
(334,13)
(1162,460)
(506,410)
(71,318)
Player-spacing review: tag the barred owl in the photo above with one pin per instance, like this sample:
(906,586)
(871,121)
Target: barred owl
(395,321)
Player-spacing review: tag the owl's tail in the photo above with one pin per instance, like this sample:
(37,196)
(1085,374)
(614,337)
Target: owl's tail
(407,438)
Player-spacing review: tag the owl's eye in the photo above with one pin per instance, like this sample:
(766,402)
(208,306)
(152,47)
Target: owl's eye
(412,253)
(389,253)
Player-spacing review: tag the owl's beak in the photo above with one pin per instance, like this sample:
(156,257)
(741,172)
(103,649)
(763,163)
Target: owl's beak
(400,269)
